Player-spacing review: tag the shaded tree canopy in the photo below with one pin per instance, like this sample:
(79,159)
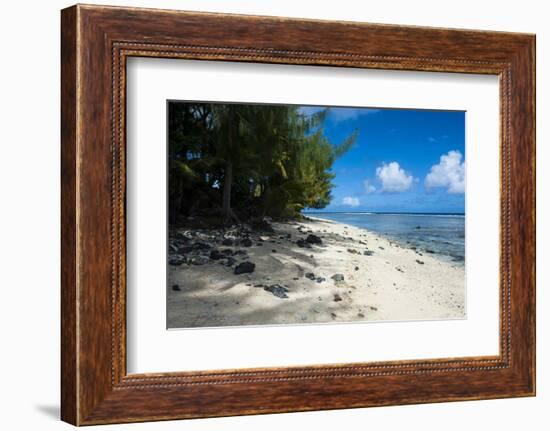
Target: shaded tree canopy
(242,161)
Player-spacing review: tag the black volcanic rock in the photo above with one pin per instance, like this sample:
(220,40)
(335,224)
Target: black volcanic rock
(277,290)
(175,259)
(303,244)
(314,239)
(216,255)
(244,268)
(247,242)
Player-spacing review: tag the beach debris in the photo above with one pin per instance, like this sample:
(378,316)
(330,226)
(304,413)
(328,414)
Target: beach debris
(273,251)
(185,236)
(176,288)
(320,279)
(419,262)
(399,269)
(175,259)
(199,260)
(380,247)
(244,268)
(373,308)
(185,249)
(216,255)
(360,315)
(303,243)
(338,278)
(357,268)
(264,238)
(247,242)
(277,290)
(337,298)
(314,239)
(368,252)
(201,246)
(310,275)
(230,261)
(353,251)
(333,315)
(227,241)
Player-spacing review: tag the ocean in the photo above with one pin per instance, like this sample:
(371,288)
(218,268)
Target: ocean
(441,234)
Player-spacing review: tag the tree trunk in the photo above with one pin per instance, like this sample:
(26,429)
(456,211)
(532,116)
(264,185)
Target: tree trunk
(227,183)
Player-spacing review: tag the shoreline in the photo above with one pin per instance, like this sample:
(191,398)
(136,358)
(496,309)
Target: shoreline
(409,241)
(308,271)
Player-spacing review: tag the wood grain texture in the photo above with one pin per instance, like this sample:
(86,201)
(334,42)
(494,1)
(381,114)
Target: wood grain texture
(96,41)
(69,397)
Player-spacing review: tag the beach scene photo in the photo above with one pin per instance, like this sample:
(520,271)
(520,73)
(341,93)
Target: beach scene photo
(295,214)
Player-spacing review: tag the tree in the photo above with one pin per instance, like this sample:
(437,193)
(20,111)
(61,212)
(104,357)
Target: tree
(249,160)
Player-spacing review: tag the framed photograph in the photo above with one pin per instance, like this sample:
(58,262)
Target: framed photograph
(267,215)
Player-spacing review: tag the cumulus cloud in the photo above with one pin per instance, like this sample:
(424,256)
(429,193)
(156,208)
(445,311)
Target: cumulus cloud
(393,178)
(351,201)
(369,188)
(449,173)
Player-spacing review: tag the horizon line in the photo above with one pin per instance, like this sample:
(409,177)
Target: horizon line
(384,212)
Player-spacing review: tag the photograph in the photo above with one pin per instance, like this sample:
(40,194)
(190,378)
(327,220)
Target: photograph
(300,214)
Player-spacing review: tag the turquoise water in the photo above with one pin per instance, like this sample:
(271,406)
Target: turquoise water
(441,234)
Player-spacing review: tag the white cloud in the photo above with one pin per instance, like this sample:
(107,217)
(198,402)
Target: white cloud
(393,178)
(448,173)
(338,114)
(369,188)
(351,201)
(344,114)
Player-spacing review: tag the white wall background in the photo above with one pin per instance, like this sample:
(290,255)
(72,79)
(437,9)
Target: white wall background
(29,215)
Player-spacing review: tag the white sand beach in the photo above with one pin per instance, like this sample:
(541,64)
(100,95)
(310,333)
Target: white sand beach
(352,275)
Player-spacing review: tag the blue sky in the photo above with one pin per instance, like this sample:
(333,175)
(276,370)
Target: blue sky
(403,160)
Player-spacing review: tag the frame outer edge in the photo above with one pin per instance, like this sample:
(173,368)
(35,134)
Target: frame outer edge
(69,196)
(87,397)
(523,213)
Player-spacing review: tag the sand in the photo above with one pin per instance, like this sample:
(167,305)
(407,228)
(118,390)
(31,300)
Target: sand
(394,283)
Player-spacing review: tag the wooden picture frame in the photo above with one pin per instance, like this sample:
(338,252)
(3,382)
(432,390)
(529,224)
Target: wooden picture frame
(95,43)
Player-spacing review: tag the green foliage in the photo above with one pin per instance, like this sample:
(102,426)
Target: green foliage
(249,160)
